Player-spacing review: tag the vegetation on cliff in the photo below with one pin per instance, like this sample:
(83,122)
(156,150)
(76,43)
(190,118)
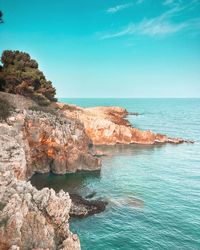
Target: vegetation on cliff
(5,109)
(20,75)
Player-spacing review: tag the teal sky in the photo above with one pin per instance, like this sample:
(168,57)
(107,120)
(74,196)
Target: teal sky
(109,48)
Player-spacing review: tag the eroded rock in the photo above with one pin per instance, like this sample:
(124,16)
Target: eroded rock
(32,219)
(49,143)
(29,142)
(108,126)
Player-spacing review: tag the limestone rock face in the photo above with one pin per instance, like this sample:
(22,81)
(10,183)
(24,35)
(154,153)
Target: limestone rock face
(47,143)
(29,218)
(61,144)
(32,219)
(31,142)
(108,126)
(12,154)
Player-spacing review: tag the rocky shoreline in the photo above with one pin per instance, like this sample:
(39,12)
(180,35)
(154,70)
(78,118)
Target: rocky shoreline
(109,126)
(37,141)
(57,139)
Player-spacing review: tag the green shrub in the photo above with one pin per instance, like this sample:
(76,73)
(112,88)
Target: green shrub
(4,221)
(40,99)
(43,109)
(5,109)
(70,107)
(20,75)
(2,205)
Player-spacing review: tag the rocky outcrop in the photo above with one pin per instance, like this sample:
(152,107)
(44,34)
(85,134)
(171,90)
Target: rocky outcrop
(34,141)
(59,143)
(83,207)
(29,219)
(108,126)
(51,143)
(42,141)
(12,151)
(32,219)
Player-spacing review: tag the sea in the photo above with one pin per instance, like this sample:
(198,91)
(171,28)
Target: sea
(153,191)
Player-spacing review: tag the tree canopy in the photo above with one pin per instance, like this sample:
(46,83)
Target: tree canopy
(20,75)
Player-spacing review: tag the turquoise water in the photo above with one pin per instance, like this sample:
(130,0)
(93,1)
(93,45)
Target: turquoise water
(153,191)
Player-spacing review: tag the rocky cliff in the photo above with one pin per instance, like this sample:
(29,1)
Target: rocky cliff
(50,143)
(29,219)
(108,126)
(32,219)
(33,139)
(56,144)
(38,141)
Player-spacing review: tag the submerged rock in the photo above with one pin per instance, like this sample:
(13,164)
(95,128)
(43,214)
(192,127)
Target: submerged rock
(133,202)
(81,207)
(134,113)
(91,195)
(127,201)
(99,153)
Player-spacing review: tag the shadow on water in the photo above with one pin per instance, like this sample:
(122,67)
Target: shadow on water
(87,184)
(77,183)
(127,150)
(71,183)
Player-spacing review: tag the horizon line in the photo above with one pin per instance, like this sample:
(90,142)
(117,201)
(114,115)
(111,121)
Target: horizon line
(128,97)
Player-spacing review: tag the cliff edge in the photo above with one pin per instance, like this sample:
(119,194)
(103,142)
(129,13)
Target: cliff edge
(38,141)
(29,219)
(108,126)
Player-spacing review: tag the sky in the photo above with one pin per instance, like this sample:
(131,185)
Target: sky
(109,48)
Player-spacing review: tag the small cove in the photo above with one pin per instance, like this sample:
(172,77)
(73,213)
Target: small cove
(153,191)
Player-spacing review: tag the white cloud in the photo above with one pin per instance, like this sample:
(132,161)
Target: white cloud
(125,31)
(160,25)
(148,27)
(157,26)
(119,7)
(180,3)
(168,2)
